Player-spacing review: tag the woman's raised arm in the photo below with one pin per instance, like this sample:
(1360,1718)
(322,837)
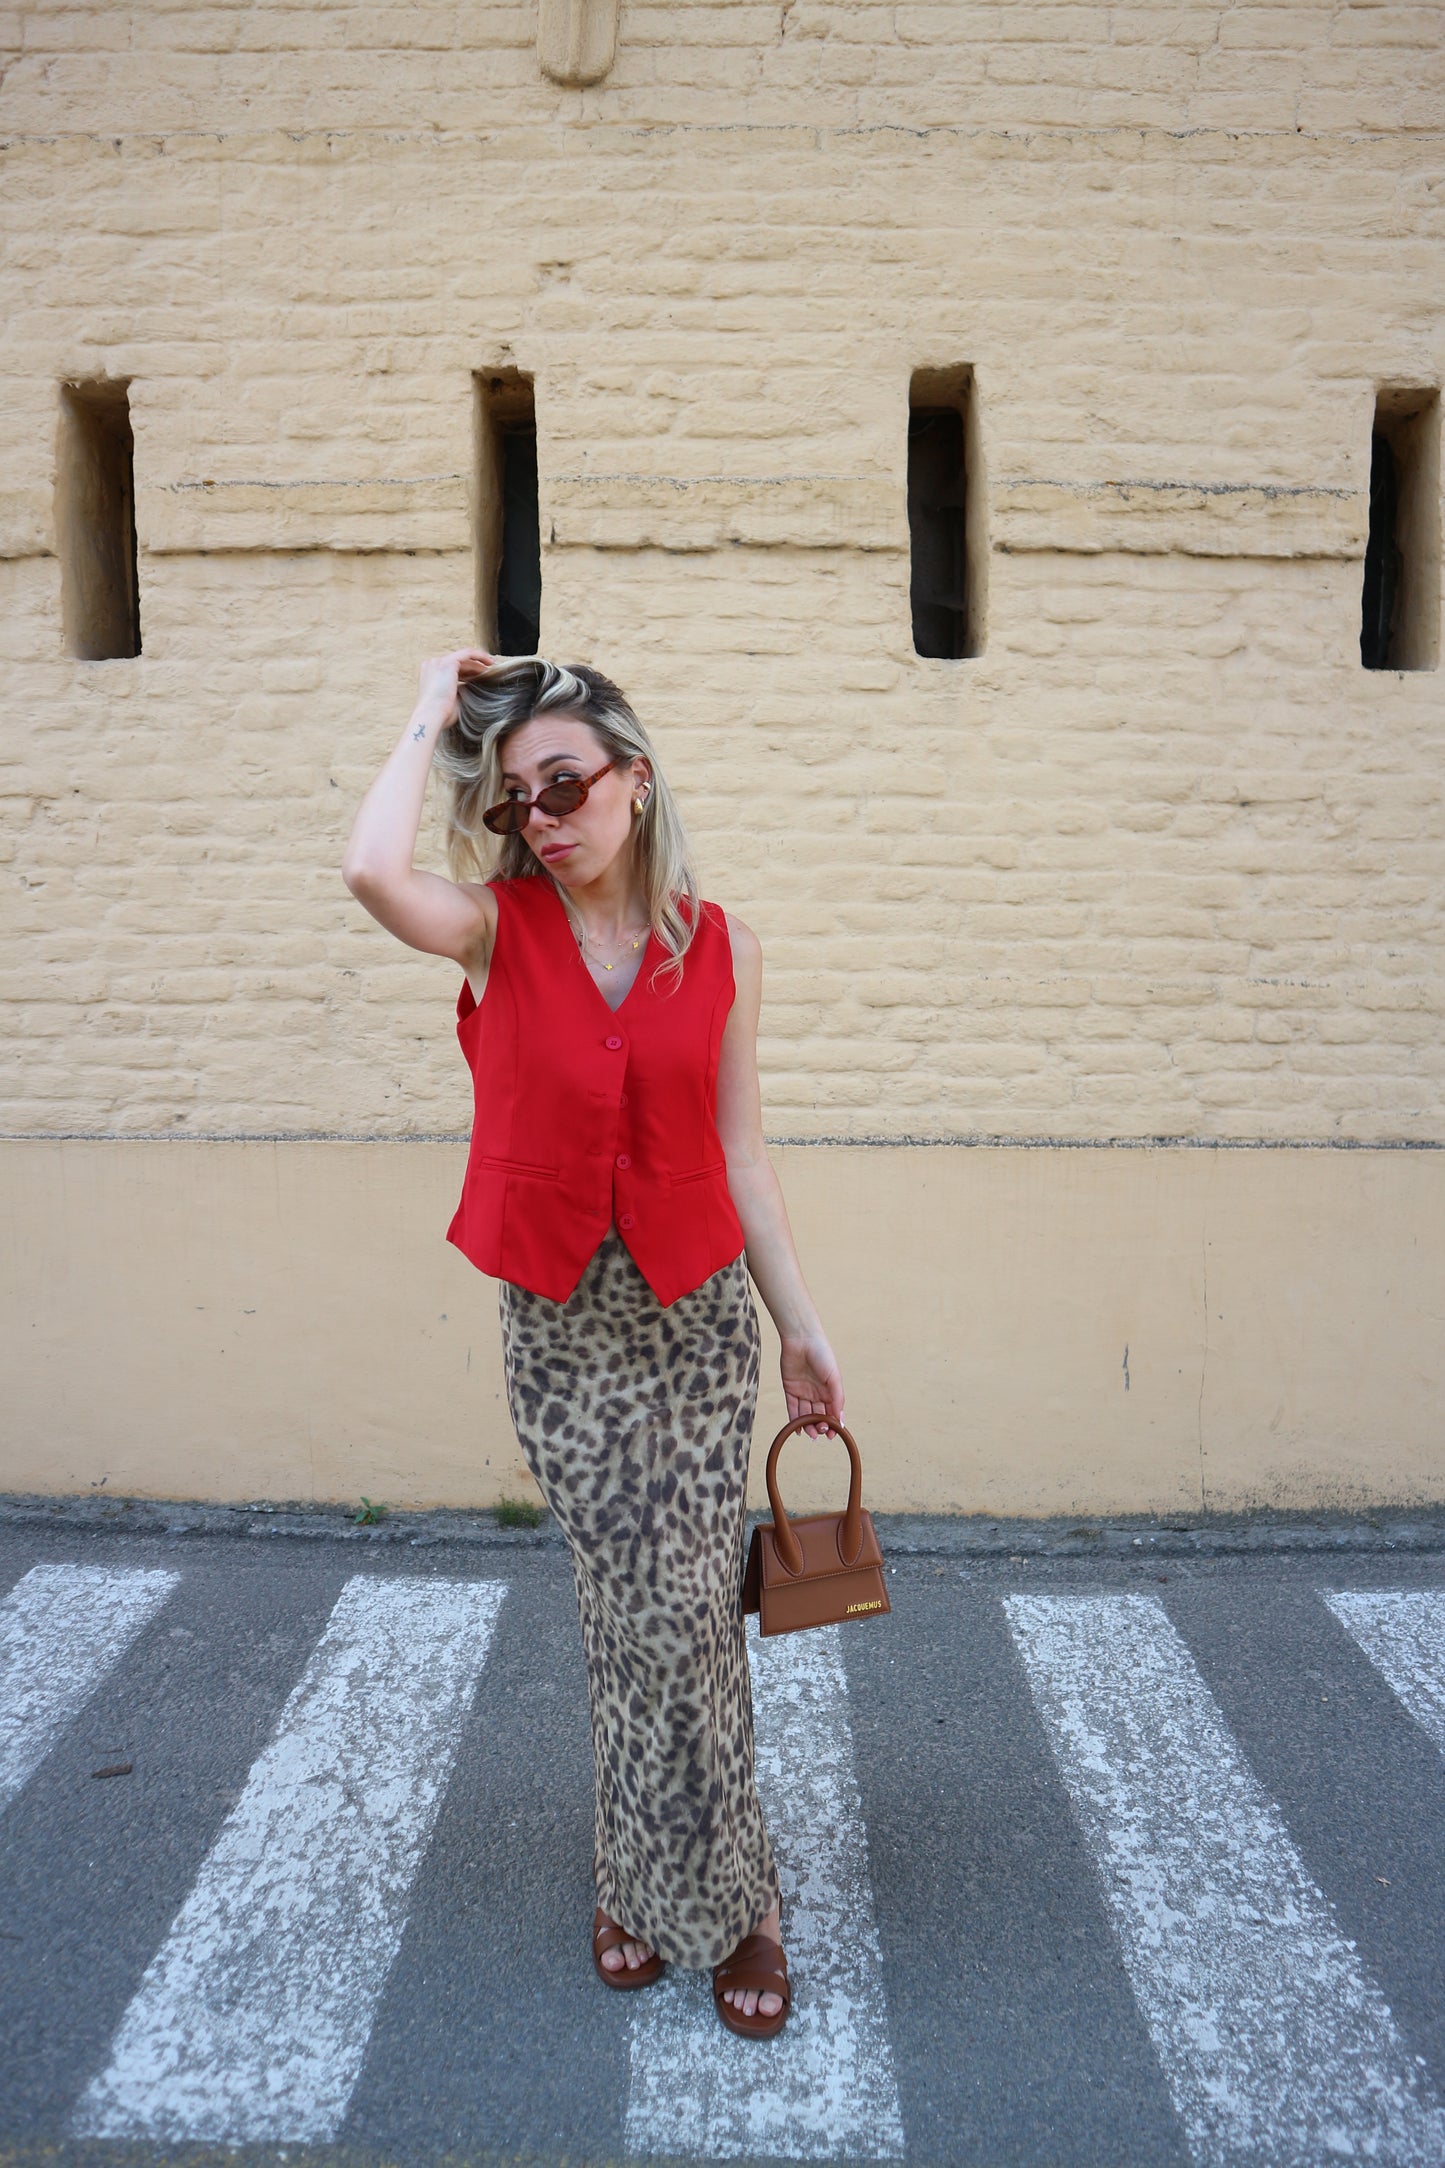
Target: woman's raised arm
(427,911)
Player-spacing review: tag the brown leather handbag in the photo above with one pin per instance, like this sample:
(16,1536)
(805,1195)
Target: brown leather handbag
(818,1571)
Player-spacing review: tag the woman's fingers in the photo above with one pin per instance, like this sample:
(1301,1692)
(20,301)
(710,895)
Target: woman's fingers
(824,1401)
(461,661)
(801,1406)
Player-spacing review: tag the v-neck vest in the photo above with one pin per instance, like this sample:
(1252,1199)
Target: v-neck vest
(587,1115)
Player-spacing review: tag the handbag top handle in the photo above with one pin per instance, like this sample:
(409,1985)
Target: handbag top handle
(850,1536)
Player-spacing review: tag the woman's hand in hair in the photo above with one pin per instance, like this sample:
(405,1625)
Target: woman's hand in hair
(442,674)
(811,1381)
(426,911)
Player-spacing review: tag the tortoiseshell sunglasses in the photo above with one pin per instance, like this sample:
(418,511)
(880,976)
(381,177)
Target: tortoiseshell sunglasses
(512,815)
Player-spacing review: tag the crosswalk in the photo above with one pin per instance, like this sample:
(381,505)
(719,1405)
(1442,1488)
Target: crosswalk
(252,2021)
(831,2070)
(1274,2042)
(61,1630)
(1404,1637)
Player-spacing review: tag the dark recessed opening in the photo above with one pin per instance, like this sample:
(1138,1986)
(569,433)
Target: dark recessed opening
(1400,602)
(95,522)
(946,508)
(936,498)
(509,544)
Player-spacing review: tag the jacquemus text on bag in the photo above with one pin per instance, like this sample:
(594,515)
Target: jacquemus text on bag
(817,1571)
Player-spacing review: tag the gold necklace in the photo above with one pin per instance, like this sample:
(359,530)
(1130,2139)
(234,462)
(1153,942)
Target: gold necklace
(636,943)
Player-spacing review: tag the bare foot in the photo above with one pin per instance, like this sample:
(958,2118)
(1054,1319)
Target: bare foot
(747,1999)
(630,1954)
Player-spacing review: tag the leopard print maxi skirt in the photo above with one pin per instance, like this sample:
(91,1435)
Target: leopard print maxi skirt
(636,1422)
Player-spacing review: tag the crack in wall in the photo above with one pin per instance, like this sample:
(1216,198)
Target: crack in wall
(1203,1366)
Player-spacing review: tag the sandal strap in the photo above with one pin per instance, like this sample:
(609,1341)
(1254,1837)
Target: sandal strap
(607,1935)
(757,1963)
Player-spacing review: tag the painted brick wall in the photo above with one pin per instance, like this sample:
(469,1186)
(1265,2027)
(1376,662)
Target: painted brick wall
(1163,860)
(1308,65)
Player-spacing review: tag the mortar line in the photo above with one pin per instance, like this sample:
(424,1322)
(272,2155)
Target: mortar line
(869,1141)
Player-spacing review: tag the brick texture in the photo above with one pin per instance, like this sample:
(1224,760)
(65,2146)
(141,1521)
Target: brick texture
(1164,860)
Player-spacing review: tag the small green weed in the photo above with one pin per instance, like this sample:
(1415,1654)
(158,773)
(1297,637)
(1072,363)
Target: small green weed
(518,1513)
(369,1514)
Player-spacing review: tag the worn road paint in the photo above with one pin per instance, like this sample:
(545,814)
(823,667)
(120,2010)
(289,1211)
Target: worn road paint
(251,2021)
(62,1628)
(1404,1638)
(1274,2042)
(825,2085)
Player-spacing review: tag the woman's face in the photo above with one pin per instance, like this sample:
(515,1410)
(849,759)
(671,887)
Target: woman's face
(576,848)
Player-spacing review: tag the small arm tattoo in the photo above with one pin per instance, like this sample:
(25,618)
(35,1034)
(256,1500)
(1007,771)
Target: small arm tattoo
(418,734)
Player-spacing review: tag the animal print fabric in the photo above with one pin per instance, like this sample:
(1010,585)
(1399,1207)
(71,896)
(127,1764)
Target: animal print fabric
(636,1422)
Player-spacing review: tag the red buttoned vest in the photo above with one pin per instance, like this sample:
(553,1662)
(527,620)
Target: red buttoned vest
(586,1115)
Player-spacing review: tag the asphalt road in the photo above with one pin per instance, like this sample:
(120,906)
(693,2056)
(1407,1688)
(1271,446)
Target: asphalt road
(1071,1879)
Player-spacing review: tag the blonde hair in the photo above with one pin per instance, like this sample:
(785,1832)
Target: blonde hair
(489,709)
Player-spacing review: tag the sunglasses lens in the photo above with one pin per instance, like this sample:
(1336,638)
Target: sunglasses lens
(511,816)
(560,798)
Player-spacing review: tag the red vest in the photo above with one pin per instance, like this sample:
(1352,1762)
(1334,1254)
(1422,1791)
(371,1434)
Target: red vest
(586,1115)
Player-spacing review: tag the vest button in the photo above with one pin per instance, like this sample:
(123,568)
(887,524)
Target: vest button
(623,1161)
(612,1044)
(622,1100)
(625,1221)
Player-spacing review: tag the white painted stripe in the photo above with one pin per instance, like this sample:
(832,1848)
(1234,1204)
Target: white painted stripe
(62,1628)
(1404,1637)
(251,2021)
(825,2085)
(1275,2043)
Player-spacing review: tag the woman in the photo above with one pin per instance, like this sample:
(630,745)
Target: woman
(619,1189)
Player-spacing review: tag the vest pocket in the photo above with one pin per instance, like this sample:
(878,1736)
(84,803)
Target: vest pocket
(700,1174)
(517,1166)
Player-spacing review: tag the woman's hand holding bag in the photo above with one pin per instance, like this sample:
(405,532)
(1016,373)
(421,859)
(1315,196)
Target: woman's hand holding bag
(820,1570)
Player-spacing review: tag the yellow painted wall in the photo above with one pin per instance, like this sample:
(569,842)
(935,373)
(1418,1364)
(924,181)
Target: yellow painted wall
(1021,1331)
(1162,862)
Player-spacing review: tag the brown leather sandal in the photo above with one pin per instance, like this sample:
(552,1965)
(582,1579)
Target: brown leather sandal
(759,1963)
(607,1935)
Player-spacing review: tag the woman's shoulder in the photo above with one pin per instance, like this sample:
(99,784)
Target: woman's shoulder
(747,949)
(526,890)
(494,897)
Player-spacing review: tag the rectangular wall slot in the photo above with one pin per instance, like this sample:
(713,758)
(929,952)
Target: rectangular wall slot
(947,515)
(95,522)
(1400,612)
(508,537)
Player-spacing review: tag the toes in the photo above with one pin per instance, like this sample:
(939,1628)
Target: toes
(749,2003)
(613,1960)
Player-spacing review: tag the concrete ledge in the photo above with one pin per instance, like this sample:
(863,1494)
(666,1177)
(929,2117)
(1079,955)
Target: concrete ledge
(700,513)
(902,1535)
(1187,519)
